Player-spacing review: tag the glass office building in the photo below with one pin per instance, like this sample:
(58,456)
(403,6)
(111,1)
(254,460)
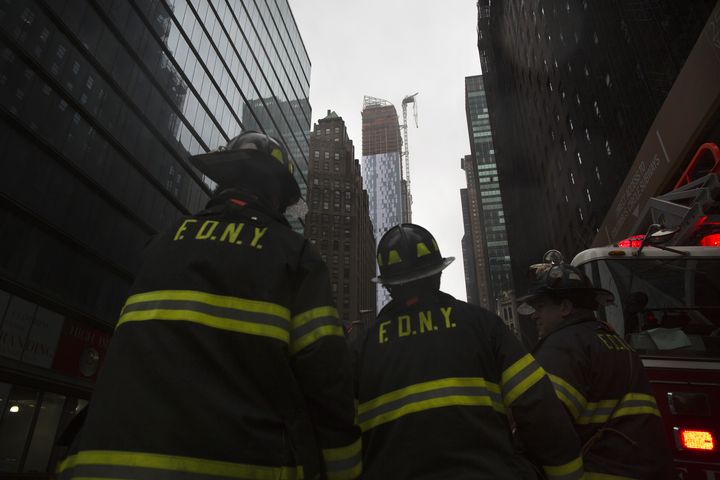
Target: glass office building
(485,199)
(100,105)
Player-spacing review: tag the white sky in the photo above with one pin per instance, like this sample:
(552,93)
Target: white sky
(393,48)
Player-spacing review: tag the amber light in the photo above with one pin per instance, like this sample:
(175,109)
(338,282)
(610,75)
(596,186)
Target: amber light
(697,440)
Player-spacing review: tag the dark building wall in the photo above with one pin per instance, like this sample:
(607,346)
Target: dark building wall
(572,89)
(467,251)
(101,102)
(338,222)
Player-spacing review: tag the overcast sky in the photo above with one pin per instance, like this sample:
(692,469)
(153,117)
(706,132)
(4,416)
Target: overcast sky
(393,48)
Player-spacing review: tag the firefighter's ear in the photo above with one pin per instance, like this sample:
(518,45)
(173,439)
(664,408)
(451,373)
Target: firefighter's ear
(566,307)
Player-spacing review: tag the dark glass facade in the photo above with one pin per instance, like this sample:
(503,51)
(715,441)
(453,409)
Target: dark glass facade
(101,103)
(573,86)
(485,201)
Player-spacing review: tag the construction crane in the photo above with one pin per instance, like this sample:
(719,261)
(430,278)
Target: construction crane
(406,151)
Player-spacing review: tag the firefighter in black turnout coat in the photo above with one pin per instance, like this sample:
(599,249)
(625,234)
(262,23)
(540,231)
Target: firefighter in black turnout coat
(228,360)
(437,378)
(596,374)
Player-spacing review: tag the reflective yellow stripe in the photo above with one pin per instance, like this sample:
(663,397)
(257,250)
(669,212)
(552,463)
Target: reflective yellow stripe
(474,391)
(519,377)
(237,303)
(343,463)
(173,463)
(207,320)
(636,411)
(630,404)
(229,313)
(569,470)
(513,369)
(423,387)
(310,315)
(604,476)
(334,454)
(576,402)
(312,325)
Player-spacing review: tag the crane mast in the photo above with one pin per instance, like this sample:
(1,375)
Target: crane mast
(405,157)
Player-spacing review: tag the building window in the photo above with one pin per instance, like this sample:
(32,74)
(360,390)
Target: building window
(572,178)
(327,155)
(587,135)
(597,173)
(596,107)
(587,192)
(580,213)
(579,157)
(327,131)
(607,148)
(564,144)
(608,82)
(587,72)
(317,154)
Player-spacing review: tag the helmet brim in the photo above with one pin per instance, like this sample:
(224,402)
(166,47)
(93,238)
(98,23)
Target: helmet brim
(412,276)
(603,297)
(223,166)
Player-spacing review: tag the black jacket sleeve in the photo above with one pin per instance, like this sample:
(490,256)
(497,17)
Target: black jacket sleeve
(541,423)
(321,362)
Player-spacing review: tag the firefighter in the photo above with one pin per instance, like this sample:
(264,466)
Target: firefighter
(228,359)
(437,379)
(596,375)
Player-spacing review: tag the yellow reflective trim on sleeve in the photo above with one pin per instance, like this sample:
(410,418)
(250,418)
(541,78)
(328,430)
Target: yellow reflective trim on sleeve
(324,331)
(237,303)
(604,476)
(343,463)
(207,320)
(312,314)
(636,411)
(349,474)
(524,386)
(575,404)
(643,397)
(341,453)
(568,403)
(171,463)
(515,368)
(567,470)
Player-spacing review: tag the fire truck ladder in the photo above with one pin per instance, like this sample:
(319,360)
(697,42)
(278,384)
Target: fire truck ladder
(692,204)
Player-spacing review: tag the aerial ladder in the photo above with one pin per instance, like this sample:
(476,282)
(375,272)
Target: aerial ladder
(405,157)
(692,209)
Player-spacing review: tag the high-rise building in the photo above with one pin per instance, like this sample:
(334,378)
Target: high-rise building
(382,170)
(100,105)
(487,234)
(572,88)
(338,222)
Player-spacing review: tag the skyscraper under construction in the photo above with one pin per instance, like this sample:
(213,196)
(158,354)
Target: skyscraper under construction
(382,169)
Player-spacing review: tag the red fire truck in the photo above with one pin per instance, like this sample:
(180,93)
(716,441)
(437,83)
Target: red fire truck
(666,284)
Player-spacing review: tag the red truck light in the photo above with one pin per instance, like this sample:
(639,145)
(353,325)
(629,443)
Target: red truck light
(632,242)
(703,440)
(712,240)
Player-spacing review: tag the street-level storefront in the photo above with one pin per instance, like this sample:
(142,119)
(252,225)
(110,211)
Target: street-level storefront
(48,363)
